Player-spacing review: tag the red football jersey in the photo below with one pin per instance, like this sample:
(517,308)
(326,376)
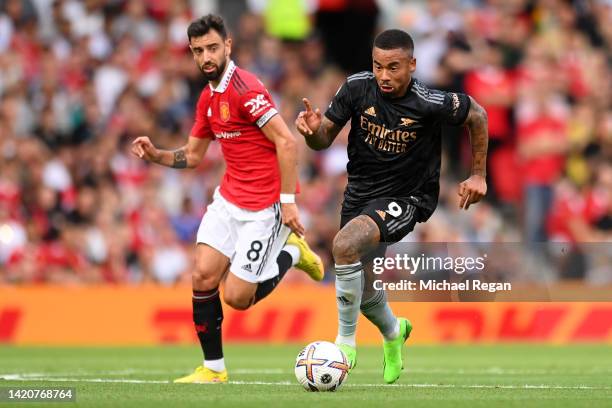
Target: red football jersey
(234,113)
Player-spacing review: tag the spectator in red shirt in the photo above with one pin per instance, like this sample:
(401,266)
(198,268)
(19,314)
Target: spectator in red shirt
(542,140)
(493,84)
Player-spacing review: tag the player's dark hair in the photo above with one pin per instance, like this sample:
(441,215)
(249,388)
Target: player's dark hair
(203,25)
(393,39)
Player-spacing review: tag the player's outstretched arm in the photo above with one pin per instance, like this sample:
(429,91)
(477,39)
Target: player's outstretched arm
(477,123)
(318,131)
(276,130)
(188,156)
(474,188)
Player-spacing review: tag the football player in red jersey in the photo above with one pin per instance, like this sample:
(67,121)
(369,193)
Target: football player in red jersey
(252,227)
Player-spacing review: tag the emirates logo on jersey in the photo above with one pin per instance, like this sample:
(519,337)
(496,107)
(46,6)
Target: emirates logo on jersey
(224,111)
(384,139)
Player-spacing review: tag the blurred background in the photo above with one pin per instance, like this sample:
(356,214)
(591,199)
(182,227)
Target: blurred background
(79,80)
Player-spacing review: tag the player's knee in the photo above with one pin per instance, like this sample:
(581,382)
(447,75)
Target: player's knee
(344,250)
(237,300)
(204,282)
(204,278)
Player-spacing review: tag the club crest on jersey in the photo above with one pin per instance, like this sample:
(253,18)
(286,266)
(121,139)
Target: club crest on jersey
(257,103)
(407,122)
(224,111)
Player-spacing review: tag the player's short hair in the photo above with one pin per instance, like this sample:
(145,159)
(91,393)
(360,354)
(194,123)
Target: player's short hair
(203,25)
(394,38)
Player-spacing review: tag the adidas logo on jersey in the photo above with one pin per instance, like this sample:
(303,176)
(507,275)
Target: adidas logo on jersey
(247,268)
(371,111)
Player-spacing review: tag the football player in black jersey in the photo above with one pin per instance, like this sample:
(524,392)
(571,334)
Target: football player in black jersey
(394,152)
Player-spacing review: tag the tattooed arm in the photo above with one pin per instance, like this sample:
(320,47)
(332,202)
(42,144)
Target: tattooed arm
(474,188)
(477,123)
(188,156)
(324,136)
(318,131)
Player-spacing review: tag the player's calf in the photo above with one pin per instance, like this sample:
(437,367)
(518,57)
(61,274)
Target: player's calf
(241,294)
(238,302)
(210,265)
(237,293)
(354,240)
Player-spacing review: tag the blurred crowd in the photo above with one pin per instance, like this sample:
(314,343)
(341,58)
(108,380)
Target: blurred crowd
(79,80)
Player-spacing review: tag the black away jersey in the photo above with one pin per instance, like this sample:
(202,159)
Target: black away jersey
(394,145)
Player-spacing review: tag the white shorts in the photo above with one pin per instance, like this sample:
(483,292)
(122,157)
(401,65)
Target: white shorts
(252,240)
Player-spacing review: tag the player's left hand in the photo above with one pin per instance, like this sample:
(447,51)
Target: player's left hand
(291,218)
(472,190)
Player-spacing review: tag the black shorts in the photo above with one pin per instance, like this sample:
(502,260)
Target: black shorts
(395,217)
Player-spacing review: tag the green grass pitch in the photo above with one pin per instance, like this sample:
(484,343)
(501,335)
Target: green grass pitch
(262,376)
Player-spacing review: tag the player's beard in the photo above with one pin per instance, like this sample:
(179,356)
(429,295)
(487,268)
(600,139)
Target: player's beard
(216,74)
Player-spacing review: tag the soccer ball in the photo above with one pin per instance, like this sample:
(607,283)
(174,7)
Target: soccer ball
(321,366)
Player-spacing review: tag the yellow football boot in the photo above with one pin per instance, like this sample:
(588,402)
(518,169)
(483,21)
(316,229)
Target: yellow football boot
(203,375)
(309,261)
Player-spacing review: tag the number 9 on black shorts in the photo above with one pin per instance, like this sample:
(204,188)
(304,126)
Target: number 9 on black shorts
(395,217)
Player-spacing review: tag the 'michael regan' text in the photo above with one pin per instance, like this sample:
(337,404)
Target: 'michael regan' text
(443,285)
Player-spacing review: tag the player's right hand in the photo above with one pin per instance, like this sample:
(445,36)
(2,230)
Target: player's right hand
(291,218)
(308,121)
(143,148)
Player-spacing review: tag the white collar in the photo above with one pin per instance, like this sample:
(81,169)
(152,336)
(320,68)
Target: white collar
(225,80)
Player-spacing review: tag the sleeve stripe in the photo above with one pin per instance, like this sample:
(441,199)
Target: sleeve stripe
(432,96)
(365,75)
(266,117)
(240,85)
(428,99)
(427,95)
(360,74)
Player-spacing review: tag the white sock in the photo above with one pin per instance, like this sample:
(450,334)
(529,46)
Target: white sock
(349,287)
(294,252)
(215,365)
(350,340)
(377,310)
(394,333)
